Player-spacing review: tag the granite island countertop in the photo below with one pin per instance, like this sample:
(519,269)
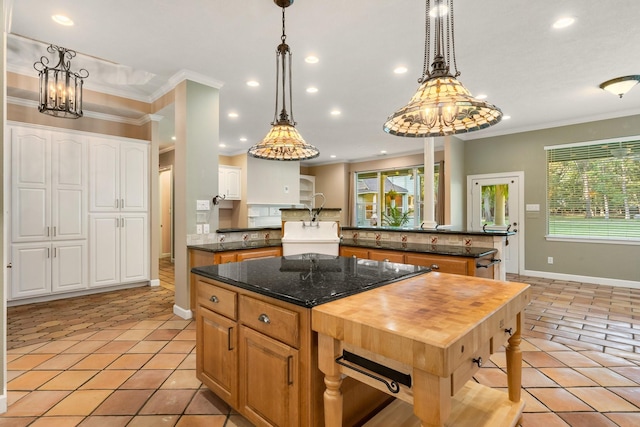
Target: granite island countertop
(309,280)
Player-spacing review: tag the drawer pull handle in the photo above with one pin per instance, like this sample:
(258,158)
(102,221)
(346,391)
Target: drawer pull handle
(289,369)
(435,267)
(264,318)
(229,335)
(214,299)
(370,369)
(477,361)
(509,331)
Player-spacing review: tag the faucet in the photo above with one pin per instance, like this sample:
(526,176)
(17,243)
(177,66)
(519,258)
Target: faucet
(314,214)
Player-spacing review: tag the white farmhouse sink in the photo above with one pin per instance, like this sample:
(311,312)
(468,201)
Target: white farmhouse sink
(301,237)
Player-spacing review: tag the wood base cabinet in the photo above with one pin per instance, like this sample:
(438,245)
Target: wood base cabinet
(260,356)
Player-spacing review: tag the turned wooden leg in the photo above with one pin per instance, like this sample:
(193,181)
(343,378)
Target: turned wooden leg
(431,398)
(514,362)
(328,350)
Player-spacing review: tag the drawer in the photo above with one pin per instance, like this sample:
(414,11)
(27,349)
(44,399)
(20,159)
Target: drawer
(388,256)
(271,320)
(469,367)
(504,333)
(217,299)
(440,264)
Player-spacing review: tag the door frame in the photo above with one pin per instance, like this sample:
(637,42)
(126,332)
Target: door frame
(171,207)
(519,177)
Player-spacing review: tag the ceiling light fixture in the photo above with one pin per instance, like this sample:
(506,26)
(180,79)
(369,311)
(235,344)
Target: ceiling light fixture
(60,88)
(400,70)
(336,112)
(442,105)
(621,85)
(283,142)
(253,83)
(62,20)
(311,59)
(233,115)
(563,22)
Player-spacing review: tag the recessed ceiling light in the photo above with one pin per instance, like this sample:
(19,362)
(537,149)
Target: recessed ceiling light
(481,96)
(222,145)
(311,59)
(333,156)
(233,115)
(564,22)
(336,112)
(253,83)
(383,151)
(62,20)
(173,138)
(243,139)
(441,10)
(506,117)
(400,70)
(312,89)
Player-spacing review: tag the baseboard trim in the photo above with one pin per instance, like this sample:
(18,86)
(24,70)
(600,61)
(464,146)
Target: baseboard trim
(154,282)
(584,279)
(179,311)
(3,404)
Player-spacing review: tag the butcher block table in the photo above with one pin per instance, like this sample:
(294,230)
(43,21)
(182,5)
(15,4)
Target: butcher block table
(421,340)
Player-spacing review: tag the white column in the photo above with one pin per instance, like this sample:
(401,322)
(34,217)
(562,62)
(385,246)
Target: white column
(429,213)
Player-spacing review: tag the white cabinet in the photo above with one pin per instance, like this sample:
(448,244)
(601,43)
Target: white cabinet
(118,176)
(42,268)
(119,248)
(229,182)
(307,188)
(48,186)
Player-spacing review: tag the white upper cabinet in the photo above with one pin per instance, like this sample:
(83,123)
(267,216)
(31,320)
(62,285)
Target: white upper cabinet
(230,182)
(49,181)
(119,176)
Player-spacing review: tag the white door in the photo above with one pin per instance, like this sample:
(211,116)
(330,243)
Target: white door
(104,241)
(166,214)
(68,187)
(134,243)
(30,269)
(69,266)
(104,176)
(495,203)
(133,177)
(30,185)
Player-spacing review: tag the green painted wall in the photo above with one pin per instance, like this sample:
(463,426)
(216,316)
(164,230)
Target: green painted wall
(525,152)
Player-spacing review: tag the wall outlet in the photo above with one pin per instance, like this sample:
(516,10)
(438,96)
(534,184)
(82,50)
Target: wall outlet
(550,260)
(206,228)
(286,189)
(254,236)
(202,205)
(198,228)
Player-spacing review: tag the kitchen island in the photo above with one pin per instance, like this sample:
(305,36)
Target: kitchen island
(256,347)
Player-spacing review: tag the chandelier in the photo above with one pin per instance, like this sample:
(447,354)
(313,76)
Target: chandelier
(283,142)
(442,105)
(60,88)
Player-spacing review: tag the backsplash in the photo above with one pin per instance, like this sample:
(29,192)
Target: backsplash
(235,236)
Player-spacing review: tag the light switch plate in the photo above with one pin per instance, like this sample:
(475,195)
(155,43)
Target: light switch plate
(198,228)
(206,228)
(202,205)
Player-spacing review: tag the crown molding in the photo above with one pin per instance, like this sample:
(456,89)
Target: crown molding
(182,75)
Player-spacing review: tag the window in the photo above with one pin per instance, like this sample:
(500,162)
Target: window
(593,190)
(392,198)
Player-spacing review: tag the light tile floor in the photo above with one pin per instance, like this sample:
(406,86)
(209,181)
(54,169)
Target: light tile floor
(581,361)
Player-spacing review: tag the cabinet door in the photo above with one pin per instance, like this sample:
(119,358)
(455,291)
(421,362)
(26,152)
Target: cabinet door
(134,177)
(104,176)
(225,257)
(30,185)
(442,264)
(104,243)
(68,187)
(216,354)
(134,248)
(31,269)
(229,182)
(354,252)
(269,395)
(69,266)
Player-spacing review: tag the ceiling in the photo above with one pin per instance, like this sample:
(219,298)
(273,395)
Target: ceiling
(539,76)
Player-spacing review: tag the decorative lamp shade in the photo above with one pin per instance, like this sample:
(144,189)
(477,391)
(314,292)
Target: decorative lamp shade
(620,85)
(283,142)
(442,106)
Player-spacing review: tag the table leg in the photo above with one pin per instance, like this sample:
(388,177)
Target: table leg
(328,351)
(431,398)
(514,362)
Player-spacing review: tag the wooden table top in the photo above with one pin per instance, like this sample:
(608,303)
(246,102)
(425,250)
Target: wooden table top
(431,322)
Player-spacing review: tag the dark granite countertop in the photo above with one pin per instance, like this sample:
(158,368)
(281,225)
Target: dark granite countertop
(236,246)
(462,251)
(310,279)
(240,230)
(432,231)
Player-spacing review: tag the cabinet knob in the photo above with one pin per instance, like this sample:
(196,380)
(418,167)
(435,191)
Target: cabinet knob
(477,361)
(214,299)
(264,318)
(435,267)
(509,331)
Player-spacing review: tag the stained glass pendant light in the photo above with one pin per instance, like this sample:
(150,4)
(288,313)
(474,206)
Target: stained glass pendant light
(283,142)
(60,88)
(442,105)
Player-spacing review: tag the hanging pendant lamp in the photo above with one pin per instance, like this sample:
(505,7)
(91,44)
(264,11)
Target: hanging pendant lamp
(442,105)
(60,88)
(283,142)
